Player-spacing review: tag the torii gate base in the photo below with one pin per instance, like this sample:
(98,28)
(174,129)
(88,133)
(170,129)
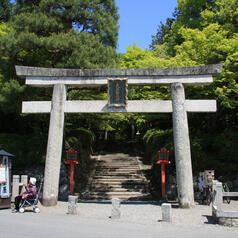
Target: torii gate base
(60,78)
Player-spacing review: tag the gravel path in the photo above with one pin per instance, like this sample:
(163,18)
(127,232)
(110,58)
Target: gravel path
(197,217)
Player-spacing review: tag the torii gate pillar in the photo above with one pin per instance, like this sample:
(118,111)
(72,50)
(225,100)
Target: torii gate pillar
(182,147)
(54,146)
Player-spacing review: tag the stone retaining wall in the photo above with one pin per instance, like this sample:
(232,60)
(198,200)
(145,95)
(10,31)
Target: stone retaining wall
(38,173)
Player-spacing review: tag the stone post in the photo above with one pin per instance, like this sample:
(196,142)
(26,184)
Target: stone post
(182,147)
(219,196)
(166,212)
(116,203)
(72,205)
(54,146)
(214,197)
(23,181)
(15,187)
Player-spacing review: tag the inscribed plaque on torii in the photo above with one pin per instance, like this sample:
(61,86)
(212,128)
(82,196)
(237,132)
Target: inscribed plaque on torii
(117,92)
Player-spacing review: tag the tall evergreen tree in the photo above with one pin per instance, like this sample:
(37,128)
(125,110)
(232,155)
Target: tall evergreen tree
(62,33)
(49,33)
(162,31)
(5,10)
(73,33)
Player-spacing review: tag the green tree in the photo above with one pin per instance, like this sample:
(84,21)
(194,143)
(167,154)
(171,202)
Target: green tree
(226,14)
(203,32)
(48,33)
(5,10)
(190,12)
(162,31)
(69,34)
(196,14)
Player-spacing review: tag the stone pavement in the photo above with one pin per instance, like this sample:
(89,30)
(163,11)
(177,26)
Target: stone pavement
(92,220)
(145,213)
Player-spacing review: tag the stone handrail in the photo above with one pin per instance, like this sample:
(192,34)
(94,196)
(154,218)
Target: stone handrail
(230,194)
(229,218)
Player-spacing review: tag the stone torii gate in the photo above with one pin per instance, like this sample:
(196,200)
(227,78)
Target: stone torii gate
(59,79)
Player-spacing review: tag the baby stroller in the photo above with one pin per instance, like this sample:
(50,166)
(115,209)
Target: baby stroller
(31,202)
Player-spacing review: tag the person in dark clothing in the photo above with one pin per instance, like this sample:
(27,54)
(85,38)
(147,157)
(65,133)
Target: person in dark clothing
(30,192)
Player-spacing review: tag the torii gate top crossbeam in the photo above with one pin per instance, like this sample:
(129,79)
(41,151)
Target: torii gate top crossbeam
(44,77)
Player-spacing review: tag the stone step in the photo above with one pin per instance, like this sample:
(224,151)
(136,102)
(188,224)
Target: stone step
(122,180)
(118,169)
(113,173)
(137,188)
(115,194)
(118,189)
(113,158)
(118,161)
(131,162)
(116,166)
(116,156)
(113,167)
(117,185)
(136,197)
(131,176)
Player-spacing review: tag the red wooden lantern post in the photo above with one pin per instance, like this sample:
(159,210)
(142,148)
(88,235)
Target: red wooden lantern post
(72,159)
(163,159)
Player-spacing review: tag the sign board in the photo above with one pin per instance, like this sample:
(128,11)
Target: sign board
(117,92)
(3,178)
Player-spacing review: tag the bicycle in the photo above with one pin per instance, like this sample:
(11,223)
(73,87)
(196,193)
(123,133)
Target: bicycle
(225,188)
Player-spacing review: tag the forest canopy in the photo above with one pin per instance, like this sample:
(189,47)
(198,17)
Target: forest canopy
(83,34)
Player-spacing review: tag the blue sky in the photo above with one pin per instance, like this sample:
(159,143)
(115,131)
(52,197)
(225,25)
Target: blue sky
(139,20)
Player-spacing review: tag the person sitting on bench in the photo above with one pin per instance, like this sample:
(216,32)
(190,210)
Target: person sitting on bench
(29,193)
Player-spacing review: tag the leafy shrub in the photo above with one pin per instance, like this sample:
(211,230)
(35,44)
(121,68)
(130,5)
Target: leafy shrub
(28,150)
(154,140)
(81,139)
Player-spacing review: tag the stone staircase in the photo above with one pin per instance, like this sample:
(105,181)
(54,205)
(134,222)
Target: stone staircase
(118,175)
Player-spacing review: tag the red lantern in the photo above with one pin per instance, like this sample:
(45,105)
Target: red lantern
(163,159)
(72,159)
(163,156)
(72,156)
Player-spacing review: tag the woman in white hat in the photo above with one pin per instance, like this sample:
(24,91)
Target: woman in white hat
(30,192)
